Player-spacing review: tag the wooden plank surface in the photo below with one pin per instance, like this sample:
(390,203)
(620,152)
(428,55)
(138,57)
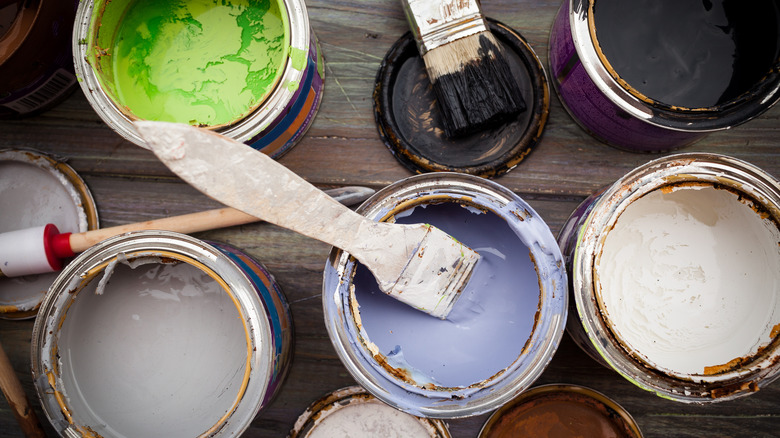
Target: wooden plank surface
(343,148)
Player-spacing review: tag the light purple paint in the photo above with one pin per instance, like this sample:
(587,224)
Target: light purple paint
(489,325)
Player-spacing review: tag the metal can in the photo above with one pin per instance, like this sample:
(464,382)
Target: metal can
(578,410)
(353,412)
(501,333)
(156,333)
(273,121)
(630,113)
(36,70)
(674,275)
(35,190)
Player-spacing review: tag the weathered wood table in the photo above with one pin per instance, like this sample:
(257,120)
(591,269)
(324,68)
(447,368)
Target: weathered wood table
(343,148)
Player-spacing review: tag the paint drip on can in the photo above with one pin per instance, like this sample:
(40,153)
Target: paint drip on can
(651,75)
(675,277)
(502,331)
(36,69)
(36,190)
(156,333)
(248,69)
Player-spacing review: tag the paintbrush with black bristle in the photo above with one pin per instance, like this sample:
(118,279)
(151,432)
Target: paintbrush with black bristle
(471,79)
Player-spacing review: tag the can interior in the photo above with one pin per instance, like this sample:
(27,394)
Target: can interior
(490,325)
(689,56)
(687,280)
(151,346)
(201,63)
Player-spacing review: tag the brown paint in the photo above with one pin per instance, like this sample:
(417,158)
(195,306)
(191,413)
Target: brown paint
(560,414)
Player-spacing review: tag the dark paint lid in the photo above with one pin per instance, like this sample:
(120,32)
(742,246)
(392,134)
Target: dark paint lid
(410,125)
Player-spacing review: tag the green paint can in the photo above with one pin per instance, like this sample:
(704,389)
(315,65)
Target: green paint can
(244,68)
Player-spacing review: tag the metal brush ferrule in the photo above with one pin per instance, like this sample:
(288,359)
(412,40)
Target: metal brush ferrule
(435,23)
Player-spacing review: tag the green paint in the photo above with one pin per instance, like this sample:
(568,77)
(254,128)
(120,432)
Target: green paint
(298,58)
(202,62)
(293,85)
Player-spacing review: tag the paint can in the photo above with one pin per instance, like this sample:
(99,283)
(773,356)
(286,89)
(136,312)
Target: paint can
(410,125)
(249,70)
(652,76)
(674,273)
(502,331)
(561,410)
(36,69)
(156,333)
(352,412)
(35,190)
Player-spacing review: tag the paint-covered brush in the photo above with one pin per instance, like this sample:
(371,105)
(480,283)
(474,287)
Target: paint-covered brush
(42,249)
(470,75)
(419,265)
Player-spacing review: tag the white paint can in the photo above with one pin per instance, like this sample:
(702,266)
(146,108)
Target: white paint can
(352,412)
(675,272)
(160,334)
(36,190)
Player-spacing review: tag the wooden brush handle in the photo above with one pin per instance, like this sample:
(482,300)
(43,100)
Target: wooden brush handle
(186,224)
(12,389)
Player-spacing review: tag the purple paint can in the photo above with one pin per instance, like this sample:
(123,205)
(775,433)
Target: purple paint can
(499,336)
(652,76)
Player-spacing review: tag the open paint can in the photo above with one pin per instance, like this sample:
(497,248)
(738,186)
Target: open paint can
(36,190)
(156,333)
(36,67)
(649,76)
(675,272)
(502,331)
(549,411)
(352,412)
(247,69)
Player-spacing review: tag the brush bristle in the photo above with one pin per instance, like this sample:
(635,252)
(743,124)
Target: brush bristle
(473,84)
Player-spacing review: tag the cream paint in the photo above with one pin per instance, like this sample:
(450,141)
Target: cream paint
(162,352)
(33,195)
(690,278)
(368,419)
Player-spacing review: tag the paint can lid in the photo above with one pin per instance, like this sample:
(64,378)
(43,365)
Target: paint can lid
(410,125)
(353,412)
(558,407)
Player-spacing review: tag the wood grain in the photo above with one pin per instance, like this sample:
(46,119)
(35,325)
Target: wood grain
(343,148)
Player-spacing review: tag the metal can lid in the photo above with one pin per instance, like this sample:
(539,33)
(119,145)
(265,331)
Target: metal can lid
(410,125)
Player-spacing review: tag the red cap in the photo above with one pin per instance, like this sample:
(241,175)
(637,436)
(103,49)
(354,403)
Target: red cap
(58,245)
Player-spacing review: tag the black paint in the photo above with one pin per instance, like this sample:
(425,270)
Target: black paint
(690,53)
(481,95)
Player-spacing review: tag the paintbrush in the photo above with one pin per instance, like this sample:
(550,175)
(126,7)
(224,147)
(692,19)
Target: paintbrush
(419,265)
(42,249)
(469,73)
